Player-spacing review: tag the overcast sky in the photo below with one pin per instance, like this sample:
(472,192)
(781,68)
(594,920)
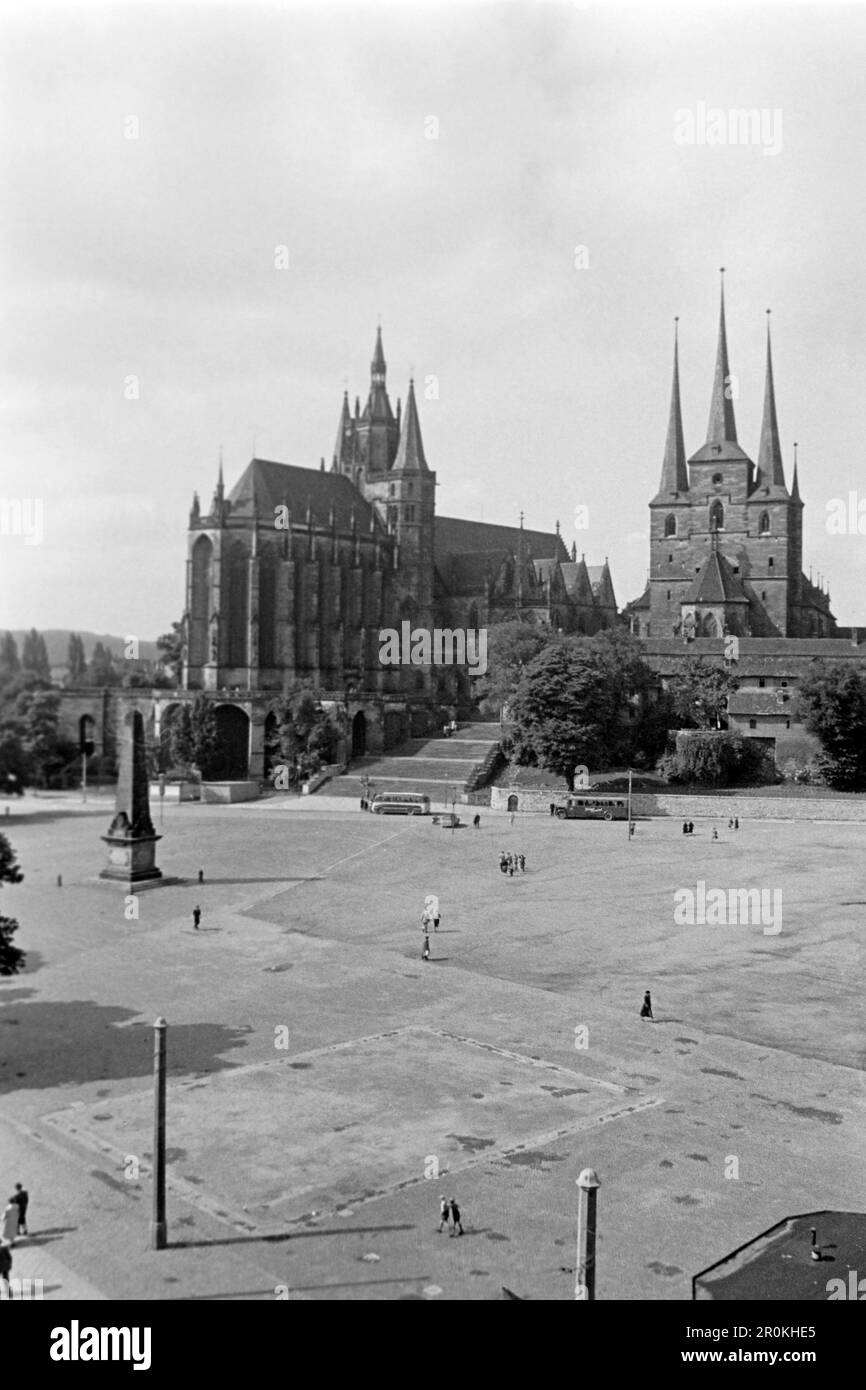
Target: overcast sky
(153,259)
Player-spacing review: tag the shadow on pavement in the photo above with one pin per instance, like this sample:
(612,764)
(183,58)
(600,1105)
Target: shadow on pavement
(38,1052)
(280,1236)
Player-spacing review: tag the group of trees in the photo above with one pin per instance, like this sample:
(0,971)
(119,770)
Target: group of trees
(831,701)
(11,958)
(306,734)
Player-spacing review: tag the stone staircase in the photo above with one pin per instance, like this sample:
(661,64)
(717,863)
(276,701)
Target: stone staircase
(435,766)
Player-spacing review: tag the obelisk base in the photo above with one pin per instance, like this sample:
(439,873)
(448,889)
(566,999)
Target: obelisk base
(132,862)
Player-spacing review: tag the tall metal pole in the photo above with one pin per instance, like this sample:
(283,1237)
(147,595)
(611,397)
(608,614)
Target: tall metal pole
(584,1273)
(158,1234)
(629,804)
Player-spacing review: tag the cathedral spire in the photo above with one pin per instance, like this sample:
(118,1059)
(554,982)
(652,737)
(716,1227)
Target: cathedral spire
(795,485)
(722,426)
(377,366)
(674,475)
(410,451)
(771,473)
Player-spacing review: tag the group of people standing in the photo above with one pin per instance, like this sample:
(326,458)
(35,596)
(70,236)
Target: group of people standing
(511,863)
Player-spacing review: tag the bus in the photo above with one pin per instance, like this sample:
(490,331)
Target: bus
(400,804)
(593,808)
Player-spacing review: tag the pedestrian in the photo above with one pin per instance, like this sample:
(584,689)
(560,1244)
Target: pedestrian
(476,821)
(11,1218)
(456,1223)
(647,1007)
(730,822)
(5,1267)
(22,1197)
(444,1215)
(196,916)
(430,915)
(736,822)
(685,827)
(363,804)
(201,875)
(522,858)
(503,862)
(715,833)
(553,808)
(511,866)
(691,827)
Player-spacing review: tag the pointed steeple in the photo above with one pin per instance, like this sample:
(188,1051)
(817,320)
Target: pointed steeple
(377,366)
(771,473)
(410,451)
(795,483)
(722,426)
(344,430)
(675,478)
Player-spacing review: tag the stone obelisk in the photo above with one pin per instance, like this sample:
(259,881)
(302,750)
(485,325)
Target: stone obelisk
(131,838)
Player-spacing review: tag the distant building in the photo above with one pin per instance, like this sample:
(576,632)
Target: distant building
(293,574)
(726,561)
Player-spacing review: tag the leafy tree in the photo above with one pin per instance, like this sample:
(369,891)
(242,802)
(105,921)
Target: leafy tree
(700,693)
(308,734)
(567,706)
(181,746)
(717,758)
(831,702)
(510,648)
(76,660)
(37,716)
(11,958)
(204,734)
(34,657)
(170,645)
(10,662)
(102,670)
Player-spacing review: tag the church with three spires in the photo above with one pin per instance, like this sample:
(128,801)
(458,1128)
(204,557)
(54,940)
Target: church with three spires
(726,535)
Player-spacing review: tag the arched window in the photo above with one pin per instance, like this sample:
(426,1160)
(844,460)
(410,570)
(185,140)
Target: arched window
(236,581)
(200,601)
(670,526)
(717,517)
(710,626)
(764,524)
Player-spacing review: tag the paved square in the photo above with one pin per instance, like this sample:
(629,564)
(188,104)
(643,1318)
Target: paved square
(513,1059)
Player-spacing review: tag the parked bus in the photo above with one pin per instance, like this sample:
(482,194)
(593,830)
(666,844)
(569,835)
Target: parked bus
(401,804)
(593,808)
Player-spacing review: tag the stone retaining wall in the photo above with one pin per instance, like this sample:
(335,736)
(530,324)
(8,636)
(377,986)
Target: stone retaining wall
(700,807)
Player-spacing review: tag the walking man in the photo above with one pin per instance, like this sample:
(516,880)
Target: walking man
(456,1223)
(444,1214)
(522,858)
(503,862)
(647,1007)
(476,821)
(553,808)
(201,875)
(430,915)
(196,916)
(21,1197)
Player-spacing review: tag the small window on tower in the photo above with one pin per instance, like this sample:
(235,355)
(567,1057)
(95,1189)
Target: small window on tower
(670,559)
(770,563)
(670,526)
(761,682)
(717,517)
(753,723)
(765,524)
(669,593)
(717,478)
